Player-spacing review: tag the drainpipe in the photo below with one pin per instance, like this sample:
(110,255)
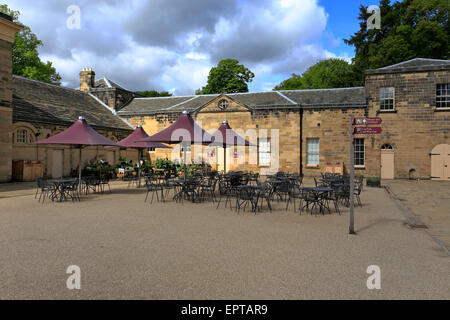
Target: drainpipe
(301,140)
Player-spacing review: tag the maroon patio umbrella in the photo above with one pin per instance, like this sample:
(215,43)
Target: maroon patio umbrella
(79,134)
(184,131)
(226,136)
(132,142)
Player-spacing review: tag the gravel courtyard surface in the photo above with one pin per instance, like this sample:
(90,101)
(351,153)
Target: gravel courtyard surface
(429,201)
(128,249)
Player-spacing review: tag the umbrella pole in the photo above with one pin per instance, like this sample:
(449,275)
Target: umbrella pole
(139,167)
(224,158)
(184,155)
(79,172)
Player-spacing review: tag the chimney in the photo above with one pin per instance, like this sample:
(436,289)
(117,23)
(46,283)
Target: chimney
(87,79)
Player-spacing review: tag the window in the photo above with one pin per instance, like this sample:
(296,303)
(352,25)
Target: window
(359,152)
(21,136)
(312,152)
(223,104)
(386,98)
(443,95)
(188,148)
(264,152)
(386,146)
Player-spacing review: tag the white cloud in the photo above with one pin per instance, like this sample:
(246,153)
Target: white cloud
(161,44)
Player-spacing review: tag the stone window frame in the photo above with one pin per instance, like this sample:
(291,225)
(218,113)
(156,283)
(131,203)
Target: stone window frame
(223,104)
(384,98)
(26,136)
(446,96)
(264,152)
(312,152)
(358,152)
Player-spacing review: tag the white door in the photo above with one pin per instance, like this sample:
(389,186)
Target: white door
(440,162)
(387,164)
(220,160)
(57,163)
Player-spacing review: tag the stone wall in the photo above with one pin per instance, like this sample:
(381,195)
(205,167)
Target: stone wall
(416,126)
(30,151)
(7,32)
(5,110)
(114,98)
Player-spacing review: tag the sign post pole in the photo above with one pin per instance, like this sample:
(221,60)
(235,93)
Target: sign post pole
(352,179)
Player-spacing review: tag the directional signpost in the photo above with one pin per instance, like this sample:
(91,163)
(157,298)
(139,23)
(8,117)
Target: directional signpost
(358,121)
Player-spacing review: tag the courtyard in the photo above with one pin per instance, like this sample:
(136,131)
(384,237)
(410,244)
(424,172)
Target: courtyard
(128,249)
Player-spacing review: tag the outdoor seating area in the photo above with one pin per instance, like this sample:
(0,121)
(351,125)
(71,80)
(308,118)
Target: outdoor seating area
(198,183)
(247,191)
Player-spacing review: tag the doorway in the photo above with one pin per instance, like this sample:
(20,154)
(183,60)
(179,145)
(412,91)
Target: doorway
(57,163)
(440,162)
(387,162)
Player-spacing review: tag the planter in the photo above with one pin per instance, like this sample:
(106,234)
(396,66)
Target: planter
(373,183)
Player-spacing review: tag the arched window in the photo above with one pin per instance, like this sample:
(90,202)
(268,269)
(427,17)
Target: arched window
(386,146)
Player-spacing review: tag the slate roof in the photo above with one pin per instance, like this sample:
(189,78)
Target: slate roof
(253,100)
(327,97)
(36,101)
(416,64)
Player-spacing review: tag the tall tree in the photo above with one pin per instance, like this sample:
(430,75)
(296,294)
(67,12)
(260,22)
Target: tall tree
(25,56)
(330,73)
(228,77)
(409,29)
(154,93)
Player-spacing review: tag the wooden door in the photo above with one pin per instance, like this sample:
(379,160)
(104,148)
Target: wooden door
(440,162)
(57,164)
(387,164)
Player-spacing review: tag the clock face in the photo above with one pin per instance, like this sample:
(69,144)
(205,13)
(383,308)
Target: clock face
(223,104)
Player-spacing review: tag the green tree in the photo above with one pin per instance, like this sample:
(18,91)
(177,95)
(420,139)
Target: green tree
(330,73)
(409,29)
(228,77)
(154,93)
(25,56)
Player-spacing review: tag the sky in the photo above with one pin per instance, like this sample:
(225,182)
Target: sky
(172,44)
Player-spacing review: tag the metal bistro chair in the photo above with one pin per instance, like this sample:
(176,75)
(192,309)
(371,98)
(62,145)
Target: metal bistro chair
(152,185)
(71,190)
(225,190)
(104,181)
(294,194)
(265,192)
(244,197)
(189,190)
(358,188)
(44,188)
(208,187)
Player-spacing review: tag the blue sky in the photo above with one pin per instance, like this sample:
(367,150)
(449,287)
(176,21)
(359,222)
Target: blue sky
(172,44)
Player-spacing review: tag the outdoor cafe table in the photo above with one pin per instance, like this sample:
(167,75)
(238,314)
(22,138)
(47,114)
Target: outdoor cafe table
(59,188)
(318,193)
(257,193)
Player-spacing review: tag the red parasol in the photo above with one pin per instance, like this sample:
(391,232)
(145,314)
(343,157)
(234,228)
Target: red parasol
(226,136)
(80,134)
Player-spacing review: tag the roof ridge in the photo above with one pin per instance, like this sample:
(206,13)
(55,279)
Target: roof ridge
(414,59)
(166,97)
(111,110)
(182,102)
(323,89)
(288,99)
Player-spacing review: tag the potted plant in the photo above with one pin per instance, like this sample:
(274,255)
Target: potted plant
(373,182)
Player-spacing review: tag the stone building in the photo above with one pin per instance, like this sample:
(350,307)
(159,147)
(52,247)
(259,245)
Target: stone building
(312,127)
(41,110)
